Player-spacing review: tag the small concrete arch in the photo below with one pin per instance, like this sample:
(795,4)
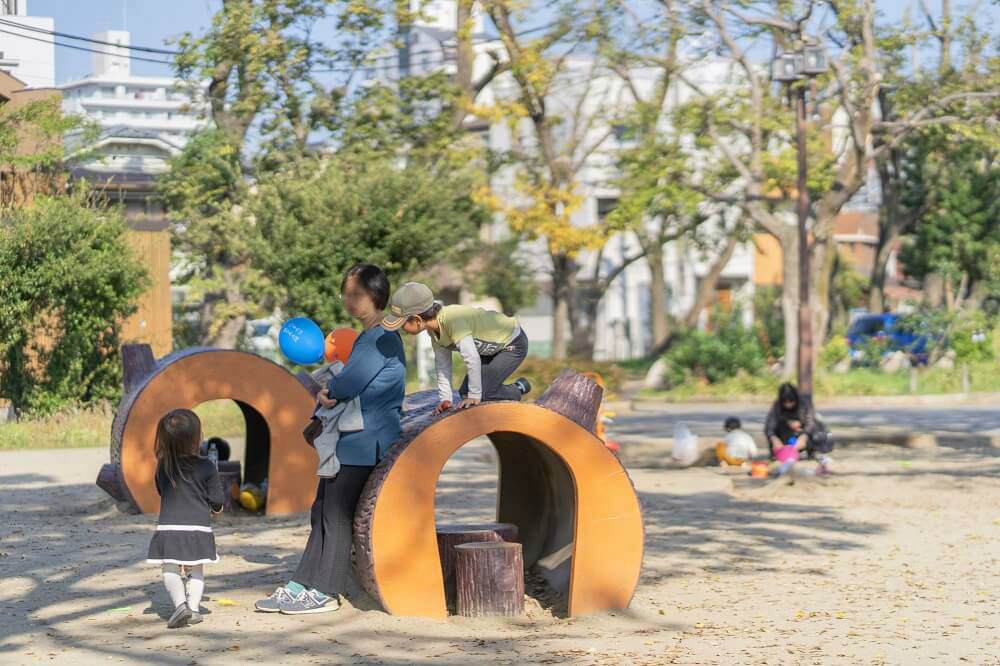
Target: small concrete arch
(578,517)
(275,405)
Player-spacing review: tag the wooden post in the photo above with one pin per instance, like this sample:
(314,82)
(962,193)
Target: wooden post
(450,536)
(489,579)
(965,378)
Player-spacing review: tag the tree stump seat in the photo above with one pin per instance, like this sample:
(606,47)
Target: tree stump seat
(450,536)
(489,579)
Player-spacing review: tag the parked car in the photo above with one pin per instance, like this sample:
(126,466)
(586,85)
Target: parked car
(885,327)
(261,336)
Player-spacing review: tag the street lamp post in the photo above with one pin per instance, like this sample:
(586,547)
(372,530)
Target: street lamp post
(794,69)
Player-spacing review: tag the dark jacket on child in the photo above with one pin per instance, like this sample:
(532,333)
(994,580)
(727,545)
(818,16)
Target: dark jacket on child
(184,529)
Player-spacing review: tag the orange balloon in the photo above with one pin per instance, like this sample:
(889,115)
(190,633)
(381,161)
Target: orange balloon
(338,345)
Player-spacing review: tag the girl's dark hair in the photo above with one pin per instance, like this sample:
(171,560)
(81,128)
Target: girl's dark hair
(372,279)
(732,423)
(178,440)
(788,393)
(432,311)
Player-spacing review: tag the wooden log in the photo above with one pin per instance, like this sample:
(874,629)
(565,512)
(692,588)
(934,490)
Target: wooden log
(274,403)
(573,502)
(576,397)
(489,579)
(450,536)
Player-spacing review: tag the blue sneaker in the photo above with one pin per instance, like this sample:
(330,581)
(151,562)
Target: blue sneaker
(273,603)
(310,601)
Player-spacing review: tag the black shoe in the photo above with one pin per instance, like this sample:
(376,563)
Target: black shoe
(523,385)
(180,617)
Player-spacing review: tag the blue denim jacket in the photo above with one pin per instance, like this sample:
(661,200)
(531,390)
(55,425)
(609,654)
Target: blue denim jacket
(375,372)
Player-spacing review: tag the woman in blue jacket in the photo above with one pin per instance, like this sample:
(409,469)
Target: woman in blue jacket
(375,373)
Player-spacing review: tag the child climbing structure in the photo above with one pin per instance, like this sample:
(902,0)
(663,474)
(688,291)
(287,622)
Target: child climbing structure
(577,516)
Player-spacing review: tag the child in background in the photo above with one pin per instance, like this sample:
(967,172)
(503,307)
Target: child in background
(738,447)
(190,493)
(491,344)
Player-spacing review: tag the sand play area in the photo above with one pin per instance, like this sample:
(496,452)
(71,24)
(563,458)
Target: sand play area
(893,560)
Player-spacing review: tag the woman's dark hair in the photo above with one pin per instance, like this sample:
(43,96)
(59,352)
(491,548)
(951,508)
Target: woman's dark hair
(372,279)
(732,423)
(788,393)
(178,440)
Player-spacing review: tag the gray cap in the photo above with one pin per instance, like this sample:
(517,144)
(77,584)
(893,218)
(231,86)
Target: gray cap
(410,300)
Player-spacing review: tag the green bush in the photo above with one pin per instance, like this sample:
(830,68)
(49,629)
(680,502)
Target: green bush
(834,351)
(714,356)
(769,321)
(971,337)
(872,350)
(69,280)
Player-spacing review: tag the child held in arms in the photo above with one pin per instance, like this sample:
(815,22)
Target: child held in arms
(491,344)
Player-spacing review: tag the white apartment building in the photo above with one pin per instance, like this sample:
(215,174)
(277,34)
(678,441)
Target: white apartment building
(143,120)
(624,325)
(26,51)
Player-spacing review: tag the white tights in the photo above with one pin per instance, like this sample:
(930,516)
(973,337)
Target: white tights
(175,585)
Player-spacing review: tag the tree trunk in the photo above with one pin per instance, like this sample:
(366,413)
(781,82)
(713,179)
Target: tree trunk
(706,286)
(657,294)
(489,579)
(790,299)
(824,253)
(450,536)
(464,57)
(876,292)
(562,274)
(229,333)
(583,320)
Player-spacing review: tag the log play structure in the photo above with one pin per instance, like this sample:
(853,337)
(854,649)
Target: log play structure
(566,508)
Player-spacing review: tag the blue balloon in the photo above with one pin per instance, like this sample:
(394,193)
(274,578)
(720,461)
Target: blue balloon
(301,341)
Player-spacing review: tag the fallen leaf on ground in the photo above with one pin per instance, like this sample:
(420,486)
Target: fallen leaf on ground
(225,602)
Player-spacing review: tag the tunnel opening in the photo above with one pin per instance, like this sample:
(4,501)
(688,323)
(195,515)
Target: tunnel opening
(509,477)
(245,430)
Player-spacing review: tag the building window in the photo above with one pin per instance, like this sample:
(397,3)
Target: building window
(604,208)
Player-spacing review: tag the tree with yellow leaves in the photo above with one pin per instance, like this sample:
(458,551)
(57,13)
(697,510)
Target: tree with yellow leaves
(550,144)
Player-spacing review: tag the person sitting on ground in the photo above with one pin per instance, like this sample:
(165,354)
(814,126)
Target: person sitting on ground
(811,436)
(738,446)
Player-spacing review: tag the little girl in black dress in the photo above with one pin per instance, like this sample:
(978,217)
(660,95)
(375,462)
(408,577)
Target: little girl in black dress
(190,492)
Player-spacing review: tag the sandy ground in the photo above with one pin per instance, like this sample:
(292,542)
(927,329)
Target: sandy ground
(893,560)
